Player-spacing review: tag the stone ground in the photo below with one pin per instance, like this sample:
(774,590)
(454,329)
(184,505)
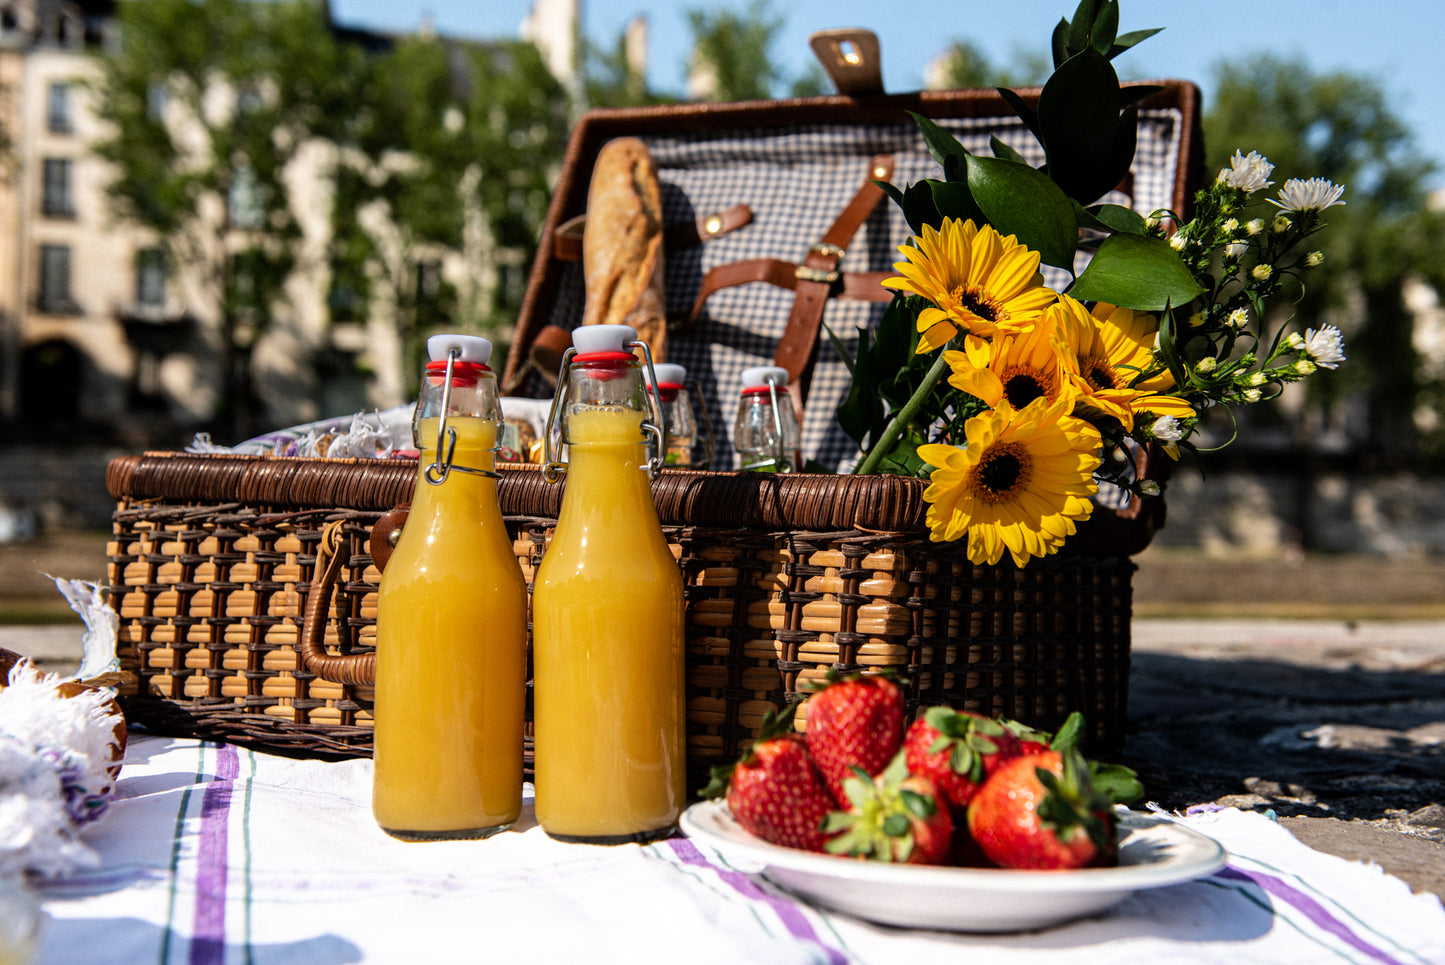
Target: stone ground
(1312,688)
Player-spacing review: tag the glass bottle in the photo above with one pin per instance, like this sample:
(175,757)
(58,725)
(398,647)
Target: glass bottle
(766,433)
(677,416)
(607,615)
(451,625)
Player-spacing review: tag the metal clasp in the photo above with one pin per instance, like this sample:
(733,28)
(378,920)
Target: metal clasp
(553,469)
(442,466)
(823,276)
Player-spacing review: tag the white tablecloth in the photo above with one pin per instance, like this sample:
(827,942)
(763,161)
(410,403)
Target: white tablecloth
(220,854)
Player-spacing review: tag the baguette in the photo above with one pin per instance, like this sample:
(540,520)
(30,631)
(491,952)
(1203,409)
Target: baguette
(622,244)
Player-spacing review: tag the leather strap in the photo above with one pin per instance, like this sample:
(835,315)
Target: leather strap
(864,286)
(567,239)
(816,274)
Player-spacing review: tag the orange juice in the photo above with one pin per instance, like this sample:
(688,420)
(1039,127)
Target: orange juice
(451,656)
(607,648)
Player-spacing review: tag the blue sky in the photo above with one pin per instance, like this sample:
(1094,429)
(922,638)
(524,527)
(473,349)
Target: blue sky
(1395,42)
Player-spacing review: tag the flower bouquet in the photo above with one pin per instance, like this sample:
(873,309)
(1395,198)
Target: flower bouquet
(1018,400)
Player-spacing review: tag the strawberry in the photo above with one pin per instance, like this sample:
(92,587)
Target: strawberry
(898,816)
(854,721)
(958,749)
(775,791)
(1042,812)
(1118,782)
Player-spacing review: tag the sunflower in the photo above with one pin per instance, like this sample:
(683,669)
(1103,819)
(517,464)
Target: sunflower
(1117,372)
(1017,369)
(1021,482)
(980,282)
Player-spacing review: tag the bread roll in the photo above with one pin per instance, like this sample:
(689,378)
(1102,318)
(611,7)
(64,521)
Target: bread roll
(622,244)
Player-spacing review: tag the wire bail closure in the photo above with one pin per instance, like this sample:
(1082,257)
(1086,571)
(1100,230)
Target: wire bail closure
(442,466)
(553,469)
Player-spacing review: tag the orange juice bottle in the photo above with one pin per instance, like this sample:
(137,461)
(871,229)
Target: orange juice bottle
(451,624)
(607,617)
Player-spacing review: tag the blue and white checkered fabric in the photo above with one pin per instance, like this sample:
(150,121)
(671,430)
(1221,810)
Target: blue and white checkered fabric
(797,180)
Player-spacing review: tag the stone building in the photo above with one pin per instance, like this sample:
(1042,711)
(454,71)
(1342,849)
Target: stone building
(100,340)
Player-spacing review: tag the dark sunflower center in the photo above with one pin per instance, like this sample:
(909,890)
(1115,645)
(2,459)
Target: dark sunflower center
(1099,373)
(1021,388)
(1001,473)
(977,303)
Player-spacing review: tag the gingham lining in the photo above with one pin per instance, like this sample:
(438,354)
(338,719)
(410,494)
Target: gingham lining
(797,180)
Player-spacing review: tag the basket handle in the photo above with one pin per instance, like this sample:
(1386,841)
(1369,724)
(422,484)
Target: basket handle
(356,669)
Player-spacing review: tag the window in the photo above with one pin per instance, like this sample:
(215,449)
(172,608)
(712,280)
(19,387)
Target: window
(150,277)
(55,280)
(55,198)
(57,112)
(156,98)
(243,202)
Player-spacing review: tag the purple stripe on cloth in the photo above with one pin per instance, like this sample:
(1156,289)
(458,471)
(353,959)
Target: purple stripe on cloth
(1311,909)
(208,936)
(788,913)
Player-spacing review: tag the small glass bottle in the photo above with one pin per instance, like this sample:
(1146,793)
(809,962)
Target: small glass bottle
(677,416)
(766,434)
(451,624)
(607,615)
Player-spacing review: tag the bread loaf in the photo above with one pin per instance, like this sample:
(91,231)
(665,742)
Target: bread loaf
(622,244)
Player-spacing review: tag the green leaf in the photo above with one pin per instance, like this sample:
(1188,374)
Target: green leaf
(1079,120)
(1019,201)
(1003,151)
(954,199)
(1078,32)
(1105,27)
(1117,782)
(1125,41)
(944,147)
(1025,113)
(1138,272)
(1059,42)
(1112,218)
(1067,737)
(918,206)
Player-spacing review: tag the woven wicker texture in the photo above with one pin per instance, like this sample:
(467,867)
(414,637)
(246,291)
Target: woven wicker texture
(213,557)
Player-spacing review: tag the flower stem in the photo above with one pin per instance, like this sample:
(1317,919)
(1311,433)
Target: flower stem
(903,418)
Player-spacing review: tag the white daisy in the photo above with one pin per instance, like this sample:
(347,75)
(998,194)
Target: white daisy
(1316,194)
(1248,173)
(1326,346)
(1166,428)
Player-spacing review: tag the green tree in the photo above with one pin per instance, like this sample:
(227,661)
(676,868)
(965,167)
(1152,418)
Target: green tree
(1340,126)
(207,107)
(460,146)
(965,66)
(735,48)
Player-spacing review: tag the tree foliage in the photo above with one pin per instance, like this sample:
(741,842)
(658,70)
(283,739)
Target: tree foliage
(209,105)
(206,105)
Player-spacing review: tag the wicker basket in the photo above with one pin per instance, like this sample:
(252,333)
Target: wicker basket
(786,576)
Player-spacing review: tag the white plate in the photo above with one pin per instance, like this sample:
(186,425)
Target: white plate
(1153,852)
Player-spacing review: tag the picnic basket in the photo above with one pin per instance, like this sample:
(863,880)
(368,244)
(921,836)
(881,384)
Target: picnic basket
(216,559)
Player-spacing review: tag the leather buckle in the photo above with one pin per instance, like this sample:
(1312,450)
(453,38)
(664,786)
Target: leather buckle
(819,275)
(822,276)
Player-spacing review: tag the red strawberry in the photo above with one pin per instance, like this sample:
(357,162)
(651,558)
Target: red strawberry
(854,721)
(775,791)
(957,749)
(1042,812)
(898,816)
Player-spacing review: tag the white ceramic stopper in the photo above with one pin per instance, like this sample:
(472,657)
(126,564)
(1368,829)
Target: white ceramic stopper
(469,348)
(760,375)
(670,373)
(587,339)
